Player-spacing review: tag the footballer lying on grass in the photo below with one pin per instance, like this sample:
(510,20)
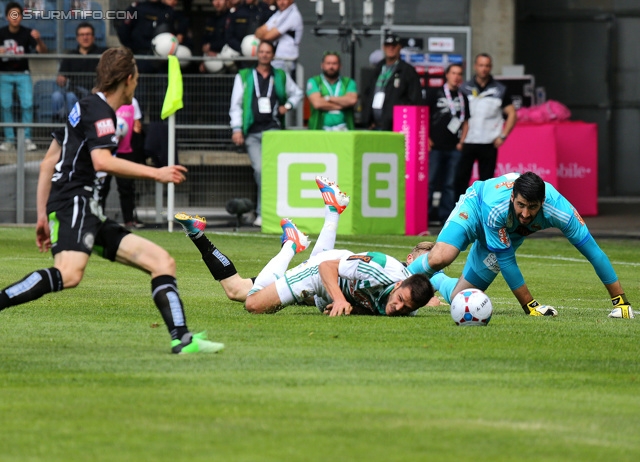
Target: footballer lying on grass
(337,282)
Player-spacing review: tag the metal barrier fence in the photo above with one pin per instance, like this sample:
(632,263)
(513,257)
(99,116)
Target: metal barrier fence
(218,170)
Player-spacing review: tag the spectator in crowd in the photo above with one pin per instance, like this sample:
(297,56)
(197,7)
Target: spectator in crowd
(394,83)
(247,16)
(489,103)
(130,147)
(17,40)
(332,97)
(261,96)
(180,25)
(285,29)
(75,87)
(271,6)
(448,125)
(145,21)
(214,30)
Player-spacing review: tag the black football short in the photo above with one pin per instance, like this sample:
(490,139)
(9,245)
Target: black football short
(75,227)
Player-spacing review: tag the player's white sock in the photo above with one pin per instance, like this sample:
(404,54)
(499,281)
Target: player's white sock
(327,238)
(275,269)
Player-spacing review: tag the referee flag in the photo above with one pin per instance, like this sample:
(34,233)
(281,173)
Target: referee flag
(173,98)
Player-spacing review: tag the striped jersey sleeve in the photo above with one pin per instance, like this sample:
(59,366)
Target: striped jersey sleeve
(372,269)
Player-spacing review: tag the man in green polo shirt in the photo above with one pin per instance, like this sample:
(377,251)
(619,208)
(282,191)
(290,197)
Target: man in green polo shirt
(332,97)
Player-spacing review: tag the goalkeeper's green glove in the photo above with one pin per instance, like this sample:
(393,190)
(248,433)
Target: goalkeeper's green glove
(621,307)
(533,308)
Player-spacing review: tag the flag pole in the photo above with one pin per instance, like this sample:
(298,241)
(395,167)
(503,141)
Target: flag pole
(171,187)
(172,103)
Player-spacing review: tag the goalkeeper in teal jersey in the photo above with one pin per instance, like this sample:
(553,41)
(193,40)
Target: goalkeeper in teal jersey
(337,282)
(496,216)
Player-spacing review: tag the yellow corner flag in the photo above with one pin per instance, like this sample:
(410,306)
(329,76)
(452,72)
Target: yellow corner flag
(173,98)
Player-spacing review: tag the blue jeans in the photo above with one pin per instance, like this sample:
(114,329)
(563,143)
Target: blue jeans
(62,101)
(253,141)
(23,85)
(442,175)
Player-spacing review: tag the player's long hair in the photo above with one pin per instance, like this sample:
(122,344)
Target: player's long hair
(530,186)
(420,288)
(114,67)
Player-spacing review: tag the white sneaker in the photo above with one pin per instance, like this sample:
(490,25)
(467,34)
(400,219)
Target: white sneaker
(258,221)
(623,311)
(6,146)
(29,145)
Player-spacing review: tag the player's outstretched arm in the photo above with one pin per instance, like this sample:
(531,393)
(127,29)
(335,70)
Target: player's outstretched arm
(103,161)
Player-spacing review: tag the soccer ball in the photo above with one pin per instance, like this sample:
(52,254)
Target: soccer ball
(122,128)
(165,44)
(183,52)
(471,307)
(250,45)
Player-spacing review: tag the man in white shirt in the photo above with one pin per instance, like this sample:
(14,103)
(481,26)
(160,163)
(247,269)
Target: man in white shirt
(284,28)
(490,104)
(261,96)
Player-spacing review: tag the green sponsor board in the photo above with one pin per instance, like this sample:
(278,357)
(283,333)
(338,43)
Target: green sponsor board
(368,166)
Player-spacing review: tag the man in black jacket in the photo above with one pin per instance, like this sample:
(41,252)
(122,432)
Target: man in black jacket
(396,83)
(76,76)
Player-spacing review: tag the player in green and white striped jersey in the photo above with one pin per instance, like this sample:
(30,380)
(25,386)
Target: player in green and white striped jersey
(365,282)
(339,281)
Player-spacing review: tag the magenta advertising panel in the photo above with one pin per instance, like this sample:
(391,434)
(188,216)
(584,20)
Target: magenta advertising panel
(413,122)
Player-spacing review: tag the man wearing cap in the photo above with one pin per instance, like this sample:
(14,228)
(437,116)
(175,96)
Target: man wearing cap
(395,83)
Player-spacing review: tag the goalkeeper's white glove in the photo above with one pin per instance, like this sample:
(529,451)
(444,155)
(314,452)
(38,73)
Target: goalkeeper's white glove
(533,308)
(621,307)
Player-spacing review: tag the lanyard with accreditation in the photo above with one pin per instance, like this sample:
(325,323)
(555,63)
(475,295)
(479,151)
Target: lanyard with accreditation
(456,122)
(385,75)
(264,102)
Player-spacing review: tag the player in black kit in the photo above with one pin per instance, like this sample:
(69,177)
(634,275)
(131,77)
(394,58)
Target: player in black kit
(71,222)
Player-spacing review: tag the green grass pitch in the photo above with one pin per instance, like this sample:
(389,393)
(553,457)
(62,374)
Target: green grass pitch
(86,374)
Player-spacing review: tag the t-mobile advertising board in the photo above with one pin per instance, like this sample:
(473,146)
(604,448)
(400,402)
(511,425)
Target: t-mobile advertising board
(563,153)
(413,123)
